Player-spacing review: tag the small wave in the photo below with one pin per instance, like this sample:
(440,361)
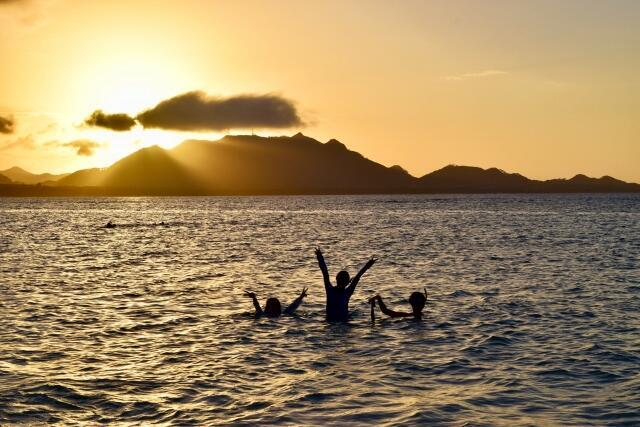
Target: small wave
(318,397)
(51,402)
(556,373)
(494,340)
(217,399)
(461,293)
(141,411)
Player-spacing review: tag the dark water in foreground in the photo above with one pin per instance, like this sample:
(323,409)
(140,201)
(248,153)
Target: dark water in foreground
(533,317)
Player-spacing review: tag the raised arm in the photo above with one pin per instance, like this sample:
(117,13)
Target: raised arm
(256,304)
(356,279)
(296,303)
(323,268)
(390,312)
(372,301)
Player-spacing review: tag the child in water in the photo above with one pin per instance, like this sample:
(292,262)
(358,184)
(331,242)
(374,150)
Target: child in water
(338,296)
(417,301)
(273,308)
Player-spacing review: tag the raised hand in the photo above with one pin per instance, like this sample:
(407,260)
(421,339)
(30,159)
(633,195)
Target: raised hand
(256,304)
(371,261)
(323,268)
(304,292)
(372,301)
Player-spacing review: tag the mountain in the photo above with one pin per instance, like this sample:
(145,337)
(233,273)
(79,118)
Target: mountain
(458,179)
(249,164)
(22,176)
(584,184)
(82,178)
(4,179)
(149,170)
(467,179)
(286,165)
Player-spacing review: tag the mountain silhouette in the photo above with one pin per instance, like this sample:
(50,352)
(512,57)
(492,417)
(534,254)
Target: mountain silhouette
(582,183)
(286,165)
(249,164)
(93,177)
(456,179)
(4,179)
(151,170)
(19,175)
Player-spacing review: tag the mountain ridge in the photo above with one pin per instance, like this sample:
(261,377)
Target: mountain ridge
(19,175)
(250,164)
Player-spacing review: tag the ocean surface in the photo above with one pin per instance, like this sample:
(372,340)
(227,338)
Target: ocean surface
(533,315)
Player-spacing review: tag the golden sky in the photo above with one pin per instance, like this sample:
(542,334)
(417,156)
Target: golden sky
(544,88)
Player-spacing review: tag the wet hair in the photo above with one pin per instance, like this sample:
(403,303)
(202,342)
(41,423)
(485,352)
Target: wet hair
(342,279)
(273,308)
(417,301)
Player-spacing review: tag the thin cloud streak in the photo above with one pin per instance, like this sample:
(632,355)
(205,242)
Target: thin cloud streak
(481,74)
(24,142)
(83,147)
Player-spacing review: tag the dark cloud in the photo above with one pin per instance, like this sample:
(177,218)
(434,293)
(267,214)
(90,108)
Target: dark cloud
(195,111)
(6,123)
(117,122)
(83,147)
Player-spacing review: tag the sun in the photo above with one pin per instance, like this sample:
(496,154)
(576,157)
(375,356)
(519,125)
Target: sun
(129,87)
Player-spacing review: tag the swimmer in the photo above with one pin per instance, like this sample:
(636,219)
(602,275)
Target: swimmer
(110,225)
(338,296)
(417,301)
(273,307)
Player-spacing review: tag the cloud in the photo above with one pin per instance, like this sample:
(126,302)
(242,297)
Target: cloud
(481,74)
(117,122)
(6,123)
(26,142)
(83,147)
(195,111)
(23,15)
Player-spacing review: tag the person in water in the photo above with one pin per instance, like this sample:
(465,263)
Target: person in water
(273,308)
(110,225)
(417,301)
(338,296)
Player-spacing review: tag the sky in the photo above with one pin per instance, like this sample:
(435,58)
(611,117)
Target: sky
(545,88)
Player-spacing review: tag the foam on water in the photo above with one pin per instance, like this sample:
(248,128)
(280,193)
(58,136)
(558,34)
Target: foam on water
(532,318)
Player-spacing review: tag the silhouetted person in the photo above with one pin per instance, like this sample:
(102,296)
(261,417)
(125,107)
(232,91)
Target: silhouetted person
(273,308)
(417,301)
(110,225)
(338,296)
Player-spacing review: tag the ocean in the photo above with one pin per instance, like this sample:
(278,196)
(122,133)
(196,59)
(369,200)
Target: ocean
(533,316)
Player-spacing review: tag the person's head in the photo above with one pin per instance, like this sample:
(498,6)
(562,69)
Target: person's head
(273,308)
(417,301)
(342,279)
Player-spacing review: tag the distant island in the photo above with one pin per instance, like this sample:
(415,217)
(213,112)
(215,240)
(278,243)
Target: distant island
(255,165)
